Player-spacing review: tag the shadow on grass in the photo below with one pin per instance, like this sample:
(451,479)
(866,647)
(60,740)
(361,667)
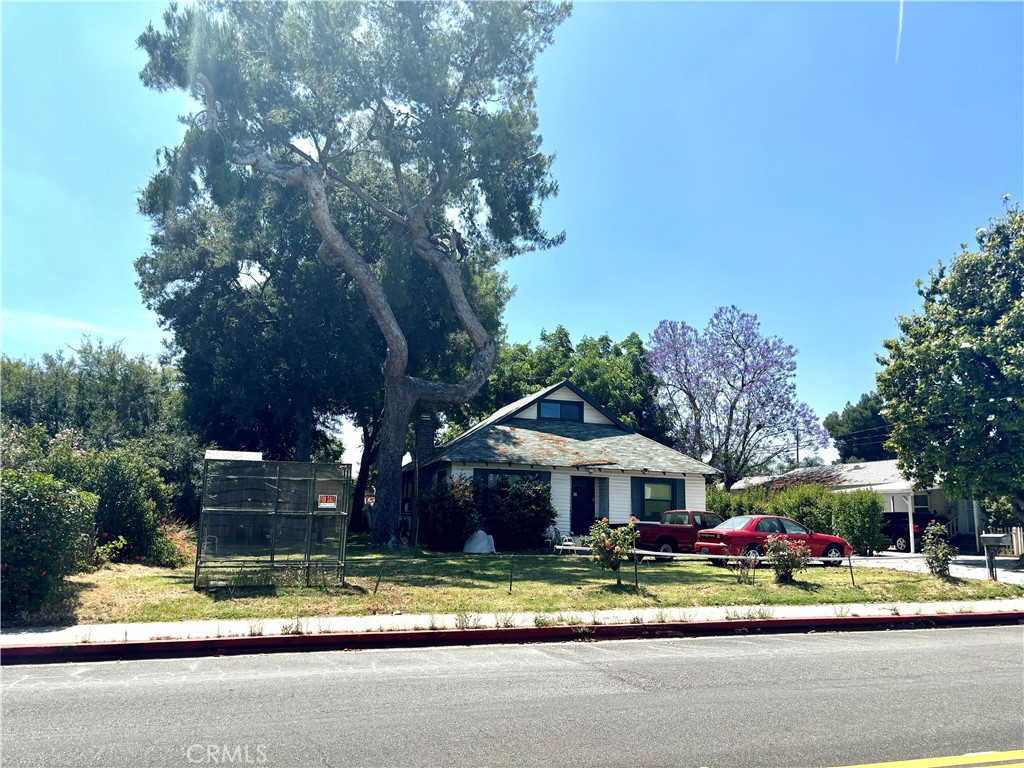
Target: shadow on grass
(628,588)
(60,610)
(220,594)
(806,586)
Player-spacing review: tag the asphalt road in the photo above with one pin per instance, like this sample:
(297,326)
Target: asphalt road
(774,701)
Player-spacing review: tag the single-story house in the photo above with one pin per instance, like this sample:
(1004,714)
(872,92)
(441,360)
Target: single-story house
(961,516)
(596,465)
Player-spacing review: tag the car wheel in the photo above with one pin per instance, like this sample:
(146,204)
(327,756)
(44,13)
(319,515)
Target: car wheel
(753,549)
(901,542)
(667,548)
(833,555)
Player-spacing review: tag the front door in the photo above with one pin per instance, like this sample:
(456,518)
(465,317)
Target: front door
(582,513)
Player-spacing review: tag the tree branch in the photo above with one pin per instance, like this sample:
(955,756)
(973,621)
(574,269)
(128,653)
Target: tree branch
(354,187)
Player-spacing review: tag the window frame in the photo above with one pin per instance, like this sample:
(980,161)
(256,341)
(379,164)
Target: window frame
(561,405)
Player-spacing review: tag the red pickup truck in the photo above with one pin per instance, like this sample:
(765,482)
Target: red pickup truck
(677,530)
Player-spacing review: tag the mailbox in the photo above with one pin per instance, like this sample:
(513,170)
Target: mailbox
(995,540)
(991,542)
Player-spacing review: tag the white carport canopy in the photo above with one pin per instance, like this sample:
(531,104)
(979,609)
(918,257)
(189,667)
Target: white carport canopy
(890,491)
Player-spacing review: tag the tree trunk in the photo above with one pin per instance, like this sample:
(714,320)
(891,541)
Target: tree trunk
(398,405)
(367,459)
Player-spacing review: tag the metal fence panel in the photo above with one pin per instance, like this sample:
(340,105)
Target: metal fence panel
(262,516)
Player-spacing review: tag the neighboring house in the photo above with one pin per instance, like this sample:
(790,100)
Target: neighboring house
(596,465)
(897,492)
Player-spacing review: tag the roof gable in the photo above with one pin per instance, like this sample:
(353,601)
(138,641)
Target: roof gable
(511,410)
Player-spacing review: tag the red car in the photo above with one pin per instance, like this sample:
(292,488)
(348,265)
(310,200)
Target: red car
(748,533)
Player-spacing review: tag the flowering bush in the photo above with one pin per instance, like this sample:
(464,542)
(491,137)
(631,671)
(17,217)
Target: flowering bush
(173,545)
(937,550)
(786,557)
(610,546)
(45,534)
(22,447)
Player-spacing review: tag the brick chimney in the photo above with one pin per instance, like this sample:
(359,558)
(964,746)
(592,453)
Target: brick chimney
(426,428)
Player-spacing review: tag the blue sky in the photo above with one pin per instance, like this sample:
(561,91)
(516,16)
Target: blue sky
(774,156)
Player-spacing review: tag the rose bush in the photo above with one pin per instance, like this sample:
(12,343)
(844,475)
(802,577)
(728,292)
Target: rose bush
(610,546)
(786,557)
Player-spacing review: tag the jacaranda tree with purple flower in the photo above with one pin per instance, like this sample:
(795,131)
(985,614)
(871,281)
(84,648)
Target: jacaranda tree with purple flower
(732,393)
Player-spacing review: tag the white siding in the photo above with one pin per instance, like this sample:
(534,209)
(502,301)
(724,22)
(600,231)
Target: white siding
(613,493)
(561,498)
(696,492)
(620,499)
(620,506)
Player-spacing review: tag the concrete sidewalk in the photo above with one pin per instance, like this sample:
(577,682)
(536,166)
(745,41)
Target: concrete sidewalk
(196,630)
(698,620)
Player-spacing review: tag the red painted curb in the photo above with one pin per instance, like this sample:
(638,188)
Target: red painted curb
(230,646)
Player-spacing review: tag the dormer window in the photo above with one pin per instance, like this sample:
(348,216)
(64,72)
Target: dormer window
(560,409)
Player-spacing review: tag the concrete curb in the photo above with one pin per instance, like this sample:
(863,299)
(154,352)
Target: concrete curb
(338,641)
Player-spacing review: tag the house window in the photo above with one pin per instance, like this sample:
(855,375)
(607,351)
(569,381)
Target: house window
(921,504)
(657,499)
(651,497)
(560,409)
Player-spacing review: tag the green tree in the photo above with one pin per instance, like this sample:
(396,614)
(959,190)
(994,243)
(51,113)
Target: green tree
(953,382)
(861,430)
(448,514)
(108,400)
(100,391)
(422,113)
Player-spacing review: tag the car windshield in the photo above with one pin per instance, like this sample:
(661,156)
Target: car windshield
(733,523)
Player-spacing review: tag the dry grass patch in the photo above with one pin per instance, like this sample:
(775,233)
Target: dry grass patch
(417,583)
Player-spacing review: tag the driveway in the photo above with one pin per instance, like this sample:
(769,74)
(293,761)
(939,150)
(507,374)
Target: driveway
(962,567)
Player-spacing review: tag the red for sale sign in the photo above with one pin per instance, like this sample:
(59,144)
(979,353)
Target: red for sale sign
(328,501)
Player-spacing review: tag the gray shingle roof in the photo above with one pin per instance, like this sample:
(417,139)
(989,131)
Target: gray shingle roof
(554,443)
(863,474)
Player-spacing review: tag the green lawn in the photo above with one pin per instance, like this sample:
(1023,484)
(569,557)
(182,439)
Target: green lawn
(419,583)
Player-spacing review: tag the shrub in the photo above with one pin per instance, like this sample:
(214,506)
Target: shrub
(133,498)
(786,557)
(448,515)
(719,500)
(107,549)
(519,512)
(937,550)
(174,545)
(810,504)
(753,501)
(45,534)
(858,517)
(610,546)
(22,447)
